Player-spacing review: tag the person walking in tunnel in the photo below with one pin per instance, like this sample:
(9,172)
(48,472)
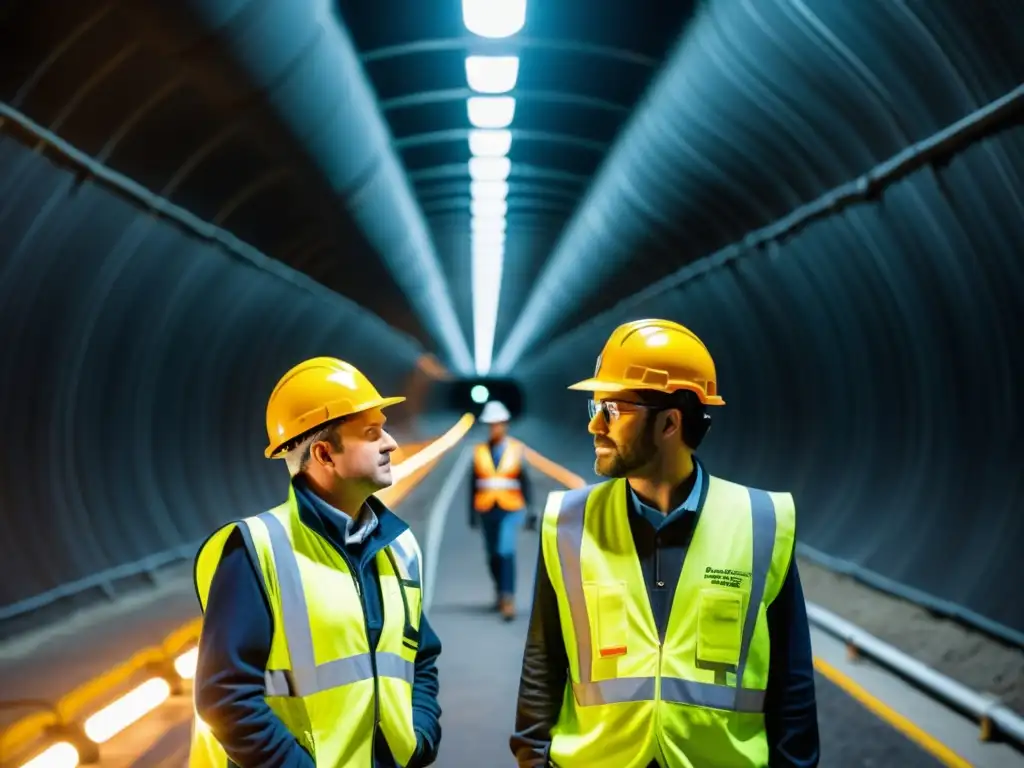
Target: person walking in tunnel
(500,498)
(314,648)
(668,625)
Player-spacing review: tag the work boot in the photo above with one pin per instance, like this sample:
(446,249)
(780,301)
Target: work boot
(507,607)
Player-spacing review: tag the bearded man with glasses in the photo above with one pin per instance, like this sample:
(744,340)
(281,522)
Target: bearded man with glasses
(668,626)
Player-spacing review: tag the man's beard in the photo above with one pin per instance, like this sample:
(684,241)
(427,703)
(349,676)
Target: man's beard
(627,460)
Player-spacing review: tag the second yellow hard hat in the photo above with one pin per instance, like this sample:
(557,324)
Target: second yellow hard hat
(654,354)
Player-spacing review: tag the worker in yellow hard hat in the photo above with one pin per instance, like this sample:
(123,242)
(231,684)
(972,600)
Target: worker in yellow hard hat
(500,498)
(315,650)
(668,626)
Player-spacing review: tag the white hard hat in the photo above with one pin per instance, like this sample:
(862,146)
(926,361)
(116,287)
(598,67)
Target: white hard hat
(494,413)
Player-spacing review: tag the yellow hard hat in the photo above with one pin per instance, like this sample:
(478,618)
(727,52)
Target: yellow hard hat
(314,392)
(654,354)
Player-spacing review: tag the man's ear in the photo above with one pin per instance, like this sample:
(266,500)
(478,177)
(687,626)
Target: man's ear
(673,420)
(320,453)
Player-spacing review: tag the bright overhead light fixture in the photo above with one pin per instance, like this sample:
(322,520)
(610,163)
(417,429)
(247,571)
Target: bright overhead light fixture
(487,208)
(489,168)
(494,18)
(479,393)
(488,245)
(489,249)
(484,143)
(492,74)
(491,230)
(487,265)
(488,190)
(491,111)
(488,224)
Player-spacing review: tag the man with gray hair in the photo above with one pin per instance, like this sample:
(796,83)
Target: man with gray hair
(315,650)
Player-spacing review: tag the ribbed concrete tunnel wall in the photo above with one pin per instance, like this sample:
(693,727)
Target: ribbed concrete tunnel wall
(869,360)
(137,360)
(871,357)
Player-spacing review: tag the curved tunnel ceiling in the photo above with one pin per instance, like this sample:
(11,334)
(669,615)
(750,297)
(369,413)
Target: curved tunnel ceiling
(762,108)
(254,116)
(582,68)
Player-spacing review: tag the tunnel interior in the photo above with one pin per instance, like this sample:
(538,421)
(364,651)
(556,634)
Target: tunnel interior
(196,196)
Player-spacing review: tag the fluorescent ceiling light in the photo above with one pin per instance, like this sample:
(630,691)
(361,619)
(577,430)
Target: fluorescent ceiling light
(488,224)
(489,168)
(488,190)
(492,74)
(487,265)
(494,18)
(487,208)
(491,111)
(488,237)
(489,143)
(489,249)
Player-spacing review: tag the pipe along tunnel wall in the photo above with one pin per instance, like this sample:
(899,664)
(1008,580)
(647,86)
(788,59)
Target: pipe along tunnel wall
(137,360)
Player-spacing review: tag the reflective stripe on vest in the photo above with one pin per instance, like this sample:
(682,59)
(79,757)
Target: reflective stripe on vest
(306,677)
(497,483)
(589,692)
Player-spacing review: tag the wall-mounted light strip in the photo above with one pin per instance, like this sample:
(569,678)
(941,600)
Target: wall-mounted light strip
(490,140)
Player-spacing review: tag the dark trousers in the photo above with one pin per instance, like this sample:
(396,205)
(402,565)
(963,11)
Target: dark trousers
(501,531)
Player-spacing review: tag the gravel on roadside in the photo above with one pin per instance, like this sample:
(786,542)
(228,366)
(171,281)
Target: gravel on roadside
(966,655)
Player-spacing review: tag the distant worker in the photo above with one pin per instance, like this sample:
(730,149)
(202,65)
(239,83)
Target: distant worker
(500,497)
(314,648)
(668,625)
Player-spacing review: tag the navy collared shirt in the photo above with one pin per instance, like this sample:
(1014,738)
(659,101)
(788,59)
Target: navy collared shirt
(692,503)
(661,541)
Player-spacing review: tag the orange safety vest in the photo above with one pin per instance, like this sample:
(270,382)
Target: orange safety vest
(498,485)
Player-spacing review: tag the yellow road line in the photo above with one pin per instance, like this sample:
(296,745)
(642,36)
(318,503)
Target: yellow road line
(912,731)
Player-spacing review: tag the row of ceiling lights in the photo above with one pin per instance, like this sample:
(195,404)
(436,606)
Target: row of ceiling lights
(490,111)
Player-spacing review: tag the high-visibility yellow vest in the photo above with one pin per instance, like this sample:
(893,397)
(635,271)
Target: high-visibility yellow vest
(498,485)
(322,679)
(695,699)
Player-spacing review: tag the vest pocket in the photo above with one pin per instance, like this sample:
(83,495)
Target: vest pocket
(719,628)
(611,619)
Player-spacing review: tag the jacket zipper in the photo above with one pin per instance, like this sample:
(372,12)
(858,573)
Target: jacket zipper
(657,706)
(661,647)
(366,632)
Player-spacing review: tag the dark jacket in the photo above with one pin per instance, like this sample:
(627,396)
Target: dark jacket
(790,709)
(235,645)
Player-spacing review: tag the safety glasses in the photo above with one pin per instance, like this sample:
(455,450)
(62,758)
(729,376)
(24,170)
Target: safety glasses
(611,409)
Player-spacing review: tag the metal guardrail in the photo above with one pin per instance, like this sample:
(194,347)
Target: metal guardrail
(994,718)
(105,580)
